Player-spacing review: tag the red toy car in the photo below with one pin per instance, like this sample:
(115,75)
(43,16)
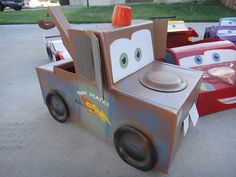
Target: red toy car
(218,61)
(56,50)
(179,34)
(54,46)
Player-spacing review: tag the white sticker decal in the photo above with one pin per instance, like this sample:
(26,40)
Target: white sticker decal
(193,113)
(186,125)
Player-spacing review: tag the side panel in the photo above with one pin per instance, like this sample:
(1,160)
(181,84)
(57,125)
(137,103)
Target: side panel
(156,124)
(92,109)
(62,85)
(85,104)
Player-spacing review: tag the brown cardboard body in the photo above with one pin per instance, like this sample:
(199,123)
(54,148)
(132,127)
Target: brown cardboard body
(158,115)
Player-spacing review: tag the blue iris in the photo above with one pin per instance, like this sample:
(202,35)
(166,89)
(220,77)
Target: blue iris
(198,60)
(216,57)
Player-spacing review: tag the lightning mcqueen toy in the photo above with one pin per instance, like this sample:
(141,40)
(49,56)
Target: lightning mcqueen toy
(54,46)
(179,34)
(218,62)
(56,50)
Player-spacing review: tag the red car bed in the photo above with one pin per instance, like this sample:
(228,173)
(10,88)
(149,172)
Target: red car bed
(218,61)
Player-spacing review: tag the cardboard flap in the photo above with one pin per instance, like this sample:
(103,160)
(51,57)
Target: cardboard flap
(160,37)
(97,62)
(86,55)
(62,24)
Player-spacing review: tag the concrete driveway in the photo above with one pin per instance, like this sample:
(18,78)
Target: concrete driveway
(32,144)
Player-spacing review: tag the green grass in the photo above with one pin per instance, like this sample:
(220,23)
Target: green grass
(204,12)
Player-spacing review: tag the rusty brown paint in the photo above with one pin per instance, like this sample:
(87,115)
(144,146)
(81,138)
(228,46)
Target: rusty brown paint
(130,103)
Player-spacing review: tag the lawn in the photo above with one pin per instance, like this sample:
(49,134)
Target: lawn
(194,11)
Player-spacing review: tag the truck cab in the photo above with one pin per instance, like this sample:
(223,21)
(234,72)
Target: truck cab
(114,86)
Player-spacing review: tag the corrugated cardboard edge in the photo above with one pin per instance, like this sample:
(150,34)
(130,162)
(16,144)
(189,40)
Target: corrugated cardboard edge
(62,24)
(160,37)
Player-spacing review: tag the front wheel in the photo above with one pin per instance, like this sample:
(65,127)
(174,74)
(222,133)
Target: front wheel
(57,107)
(134,148)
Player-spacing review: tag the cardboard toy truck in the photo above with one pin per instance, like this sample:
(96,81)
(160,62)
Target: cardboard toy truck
(114,87)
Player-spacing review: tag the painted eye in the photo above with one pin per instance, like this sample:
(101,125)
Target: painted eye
(198,60)
(124,60)
(216,57)
(138,54)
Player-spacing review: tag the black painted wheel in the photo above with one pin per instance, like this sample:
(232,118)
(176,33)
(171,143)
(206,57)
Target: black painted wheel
(57,107)
(134,148)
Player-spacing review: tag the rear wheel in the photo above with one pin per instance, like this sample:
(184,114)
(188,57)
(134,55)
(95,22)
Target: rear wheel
(134,148)
(57,107)
(2,7)
(17,8)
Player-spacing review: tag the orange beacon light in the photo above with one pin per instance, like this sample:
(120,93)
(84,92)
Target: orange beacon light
(122,15)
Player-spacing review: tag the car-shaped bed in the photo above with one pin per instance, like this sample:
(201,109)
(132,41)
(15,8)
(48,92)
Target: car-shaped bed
(217,60)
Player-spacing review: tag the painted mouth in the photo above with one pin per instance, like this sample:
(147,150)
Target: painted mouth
(229,100)
(223,73)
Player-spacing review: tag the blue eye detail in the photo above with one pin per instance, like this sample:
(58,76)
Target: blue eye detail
(198,60)
(216,57)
